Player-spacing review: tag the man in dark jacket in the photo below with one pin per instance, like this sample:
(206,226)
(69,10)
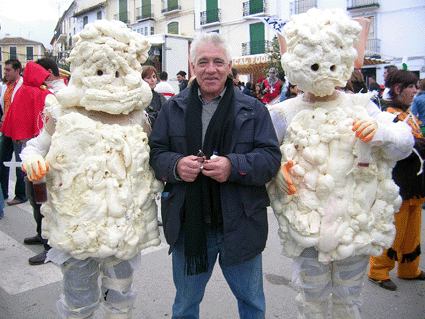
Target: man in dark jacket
(216,149)
(181,77)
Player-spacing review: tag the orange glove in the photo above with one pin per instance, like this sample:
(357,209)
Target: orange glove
(365,130)
(35,167)
(284,181)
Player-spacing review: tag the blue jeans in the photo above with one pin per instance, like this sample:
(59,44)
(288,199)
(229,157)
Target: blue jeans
(7,148)
(245,280)
(1,203)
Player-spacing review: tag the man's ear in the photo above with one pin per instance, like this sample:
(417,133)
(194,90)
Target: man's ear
(282,43)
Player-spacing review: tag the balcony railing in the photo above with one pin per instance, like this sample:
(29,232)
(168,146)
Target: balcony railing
(144,12)
(255,47)
(358,4)
(61,38)
(122,16)
(302,6)
(210,16)
(170,9)
(373,47)
(253,7)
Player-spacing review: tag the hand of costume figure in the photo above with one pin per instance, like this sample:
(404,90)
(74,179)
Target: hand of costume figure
(35,167)
(284,181)
(218,168)
(189,167)
(365,130)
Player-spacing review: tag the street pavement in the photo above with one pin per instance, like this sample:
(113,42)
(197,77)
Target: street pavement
(31,292)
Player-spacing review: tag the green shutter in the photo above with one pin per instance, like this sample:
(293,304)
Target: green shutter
(123,16)
(146,8)
(30,54)
(255,6)
(257,43)
(212,11)
(173,28)
(172,4)
(12,53)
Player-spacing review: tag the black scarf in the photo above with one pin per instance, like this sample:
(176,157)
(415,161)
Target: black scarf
(203,195)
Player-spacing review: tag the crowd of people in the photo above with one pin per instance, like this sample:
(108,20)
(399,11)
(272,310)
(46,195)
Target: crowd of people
(223,152)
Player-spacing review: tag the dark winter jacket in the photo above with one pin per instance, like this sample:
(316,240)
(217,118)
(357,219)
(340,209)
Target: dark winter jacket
(405,172)
(155,106)
(255,160)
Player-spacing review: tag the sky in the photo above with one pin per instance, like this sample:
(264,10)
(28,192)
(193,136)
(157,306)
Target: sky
(31,19)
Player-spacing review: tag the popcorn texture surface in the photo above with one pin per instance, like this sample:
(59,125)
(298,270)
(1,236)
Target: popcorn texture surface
(106,70)
(100,186)
(320,50)
(339,208)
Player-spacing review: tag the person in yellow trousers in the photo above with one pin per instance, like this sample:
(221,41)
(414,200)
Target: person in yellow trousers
(408,174)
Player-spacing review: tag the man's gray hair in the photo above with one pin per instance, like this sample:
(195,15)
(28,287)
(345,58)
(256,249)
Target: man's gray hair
(215,39)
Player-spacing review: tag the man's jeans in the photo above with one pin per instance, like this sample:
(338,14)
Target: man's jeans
(245,280)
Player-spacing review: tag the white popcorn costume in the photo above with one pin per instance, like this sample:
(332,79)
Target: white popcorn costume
(101,209)
(344,205)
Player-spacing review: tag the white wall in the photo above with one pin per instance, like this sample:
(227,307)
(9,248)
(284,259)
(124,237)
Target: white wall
(175,51)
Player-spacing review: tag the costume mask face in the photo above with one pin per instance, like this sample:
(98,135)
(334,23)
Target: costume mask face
(321,50)
(106,69)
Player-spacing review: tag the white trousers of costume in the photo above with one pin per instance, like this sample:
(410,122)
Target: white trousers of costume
(339,281)
(81,291)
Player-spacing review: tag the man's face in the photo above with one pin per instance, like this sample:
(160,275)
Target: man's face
(179,78)
(10,74)
(272,74)
(211,69)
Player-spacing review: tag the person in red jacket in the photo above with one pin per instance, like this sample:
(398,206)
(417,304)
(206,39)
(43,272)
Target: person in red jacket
(270,87)
(23,121)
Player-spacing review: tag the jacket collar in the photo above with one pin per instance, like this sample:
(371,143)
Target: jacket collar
(242,101)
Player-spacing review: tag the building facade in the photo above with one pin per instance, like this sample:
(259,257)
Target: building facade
(167,24)
(395,35)
(19,48)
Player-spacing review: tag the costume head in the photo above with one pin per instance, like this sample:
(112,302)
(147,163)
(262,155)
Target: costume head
(320,50)
(106,69)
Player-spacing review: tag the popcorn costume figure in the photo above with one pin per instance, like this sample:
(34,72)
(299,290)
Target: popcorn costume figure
(339,150)
(101,210)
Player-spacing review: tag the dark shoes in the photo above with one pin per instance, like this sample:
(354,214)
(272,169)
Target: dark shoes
(420,277)
(38,259)
(36,240)
(15,202)
(386,284)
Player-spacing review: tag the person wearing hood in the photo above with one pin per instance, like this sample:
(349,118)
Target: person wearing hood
(12,74)
(23,121)
(270,87)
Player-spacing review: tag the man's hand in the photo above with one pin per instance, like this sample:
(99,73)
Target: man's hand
(189,167)
(218,168)
(284,181)
(35,167)
(365,130)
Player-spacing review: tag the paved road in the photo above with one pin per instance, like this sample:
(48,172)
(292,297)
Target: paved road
(32,291)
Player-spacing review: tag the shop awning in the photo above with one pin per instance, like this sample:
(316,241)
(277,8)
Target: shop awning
(255,64)
(374,61)
(251,64)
